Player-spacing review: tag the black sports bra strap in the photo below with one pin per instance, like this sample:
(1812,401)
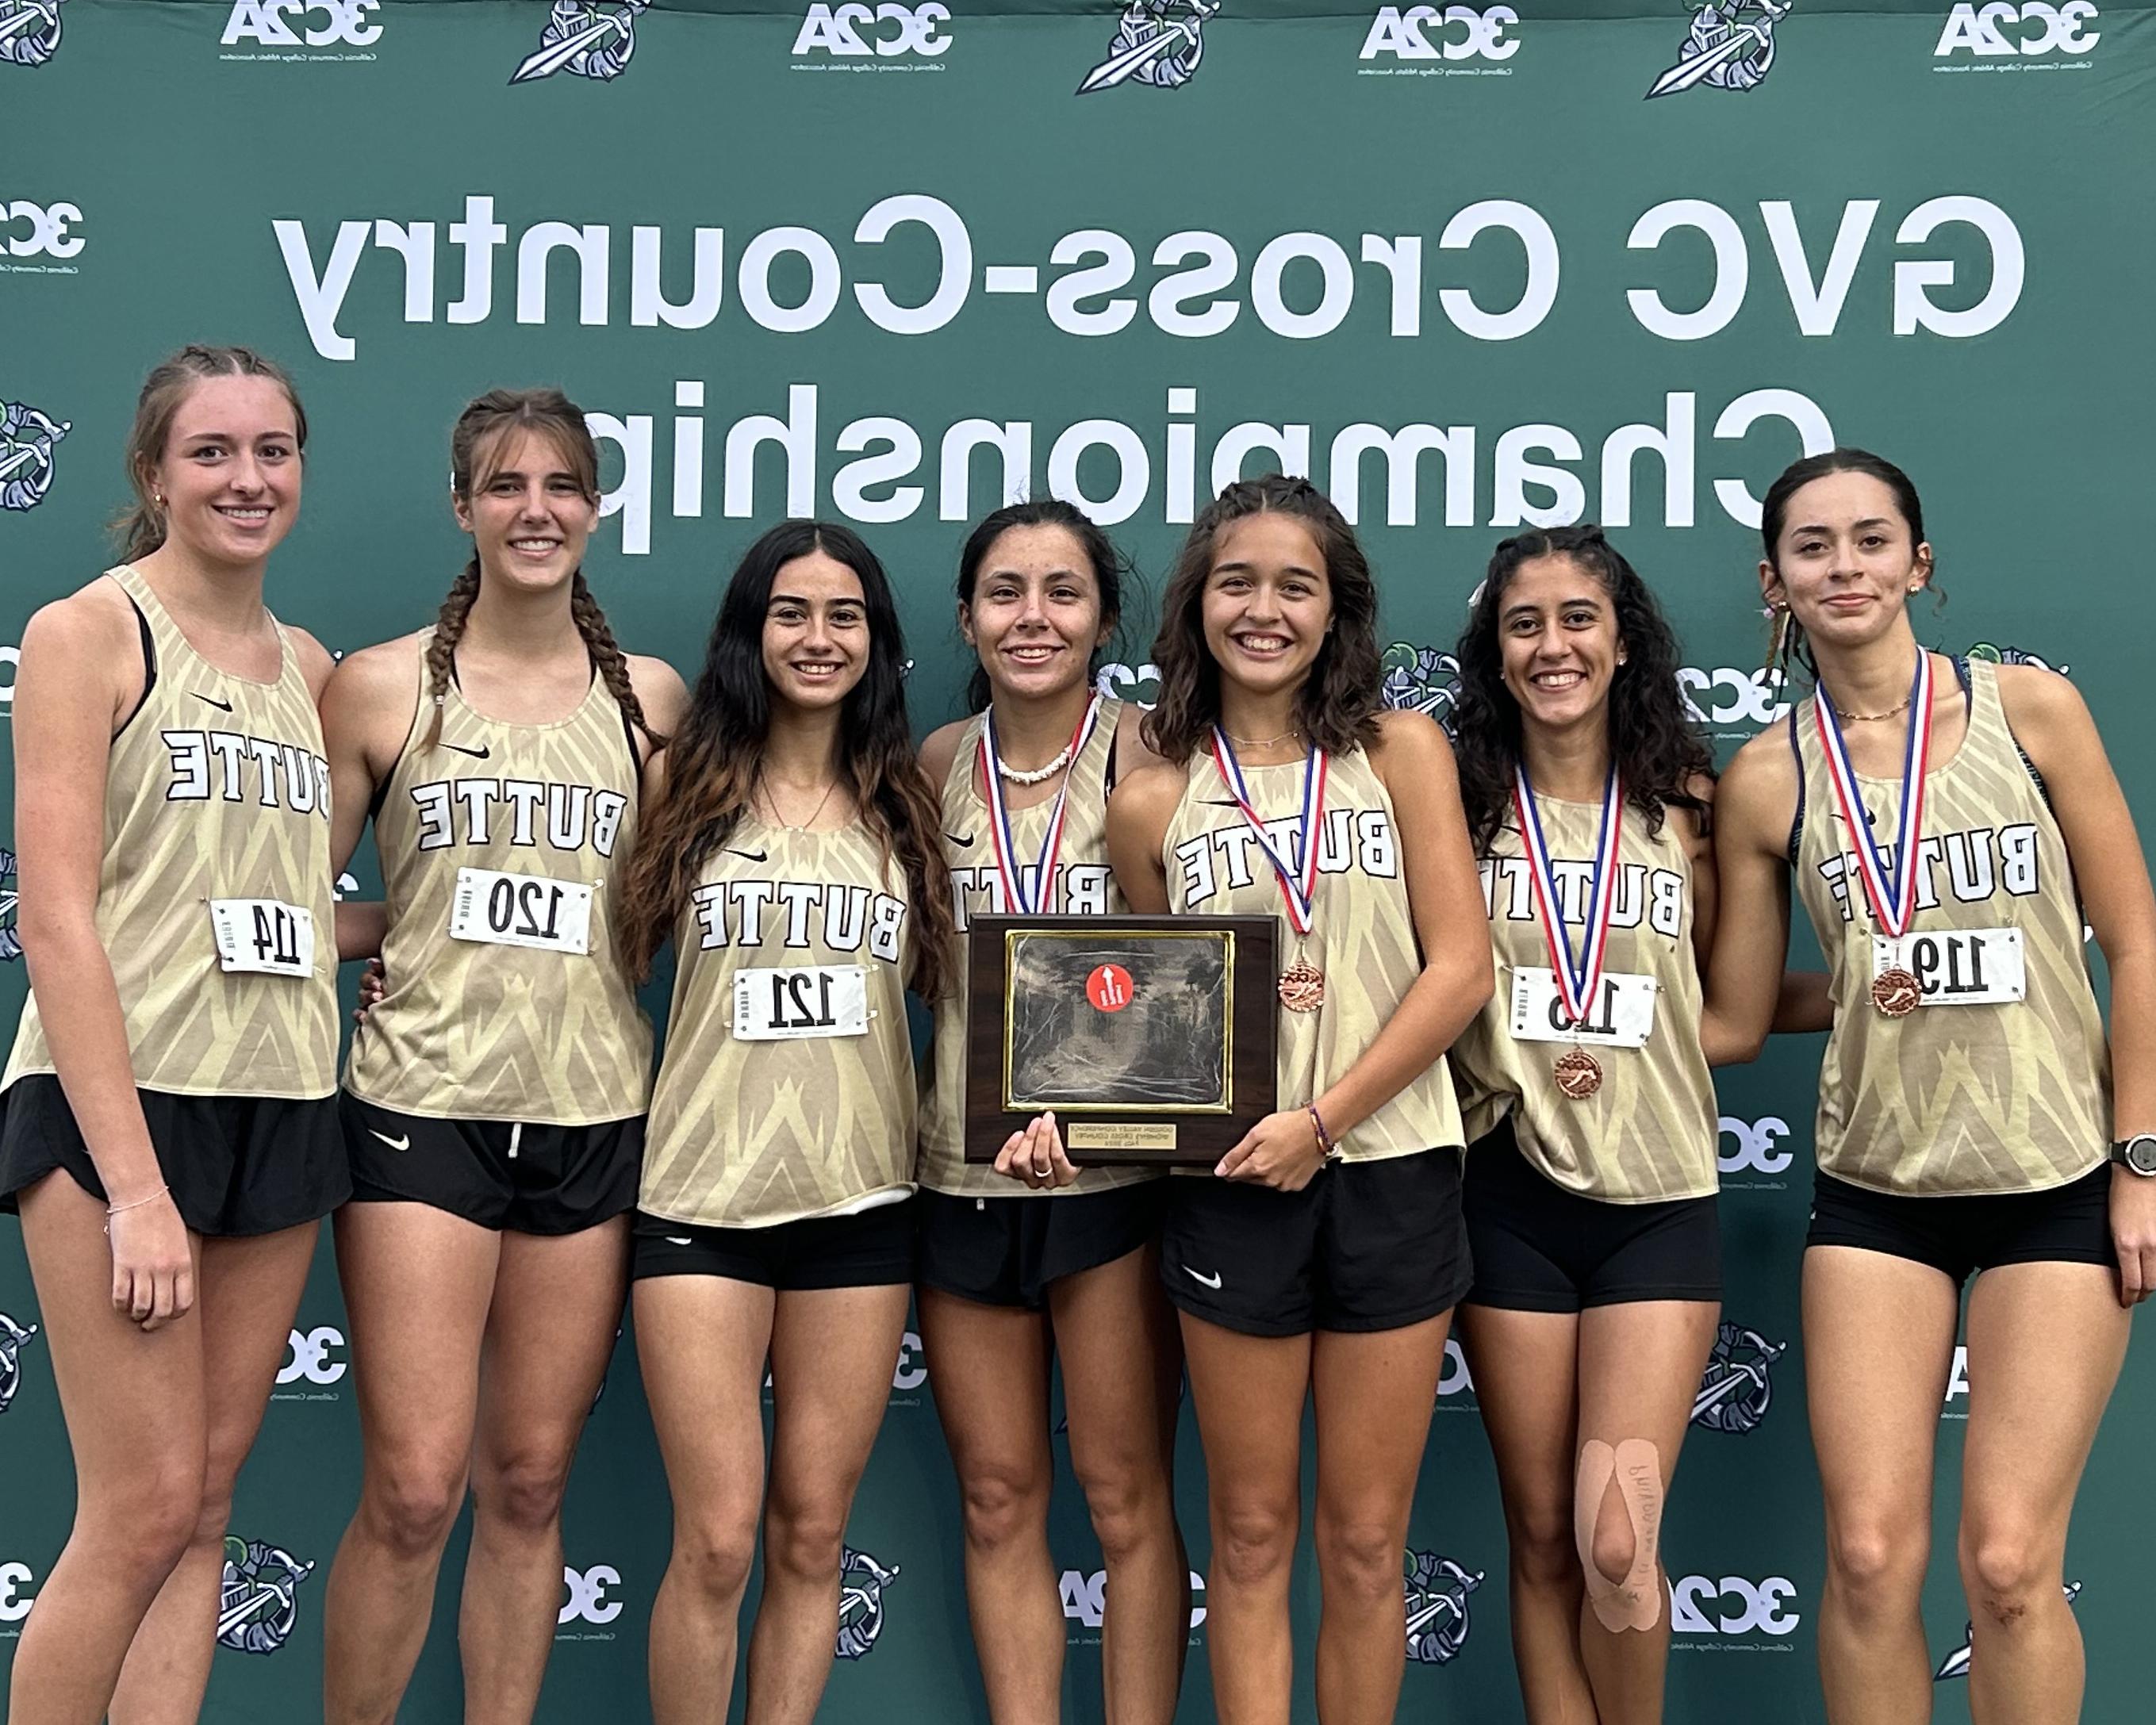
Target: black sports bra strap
(149,661)
(1797,820)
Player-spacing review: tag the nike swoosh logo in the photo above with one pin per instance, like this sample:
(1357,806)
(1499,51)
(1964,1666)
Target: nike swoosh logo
(748,855)
(1208,1281)
(676,1239)
(402,1143)
(1220,802)
(967,842)
(223,706)
(478,754)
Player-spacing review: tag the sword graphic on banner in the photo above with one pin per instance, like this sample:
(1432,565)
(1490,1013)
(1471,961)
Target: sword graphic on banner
(549,59)
(21,22)
(21,458)
(1173,33)
(1740,42)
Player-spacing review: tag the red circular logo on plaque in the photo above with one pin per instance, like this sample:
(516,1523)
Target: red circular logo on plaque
(1109,987)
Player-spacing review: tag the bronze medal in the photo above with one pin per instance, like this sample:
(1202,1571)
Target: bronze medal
(1578,1073)
(1896,992)
(1302,987)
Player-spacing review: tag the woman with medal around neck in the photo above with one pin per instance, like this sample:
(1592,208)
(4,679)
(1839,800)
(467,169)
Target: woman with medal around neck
(788,845)
(1322,1258)
(1591,1119)
(1950,822)
(1063,1266)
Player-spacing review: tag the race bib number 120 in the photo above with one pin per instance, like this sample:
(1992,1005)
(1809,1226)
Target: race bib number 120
(264,935)
(521,910)
(785,1003)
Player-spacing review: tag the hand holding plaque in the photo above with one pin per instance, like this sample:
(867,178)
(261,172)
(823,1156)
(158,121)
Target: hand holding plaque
(1150,1037)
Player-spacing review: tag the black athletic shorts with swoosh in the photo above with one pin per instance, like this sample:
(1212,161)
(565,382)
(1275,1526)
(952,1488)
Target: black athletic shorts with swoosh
(1366,1246)
(509,1175)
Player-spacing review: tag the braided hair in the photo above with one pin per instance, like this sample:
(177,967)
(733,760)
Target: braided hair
(483,431)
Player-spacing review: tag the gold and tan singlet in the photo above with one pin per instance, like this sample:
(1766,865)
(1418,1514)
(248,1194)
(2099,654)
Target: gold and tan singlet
(1954,1101)
(1363,936)
(474,1030)
(216,788)
(1648,1135)
(1083,887)
(747,1134)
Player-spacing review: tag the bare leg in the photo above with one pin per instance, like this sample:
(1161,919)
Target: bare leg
(1374,1392)
(991,1385)
(1122,1377)
(249,1290)
(700,1341)
(1526,1366)
(833,1350)
(1640,1366)
(1879,1336)
(2046,1342)
(417,1282)
(556,1307)
(137,1423)
(1249,1392)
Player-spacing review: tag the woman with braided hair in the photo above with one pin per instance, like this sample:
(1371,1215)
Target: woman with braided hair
(494,1099)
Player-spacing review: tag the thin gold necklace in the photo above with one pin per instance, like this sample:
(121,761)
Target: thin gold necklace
(1263,742)
(1894,711)
(770,802)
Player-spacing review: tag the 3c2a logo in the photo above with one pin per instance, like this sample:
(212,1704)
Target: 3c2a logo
(1741,697)
(1421,33)
(913,1369)
(1981,30)
(854,31)
(16,1597)
(590,1595)
(1755,1142)
(264,21)
(317,1355)
(1700,1605)
(35,230)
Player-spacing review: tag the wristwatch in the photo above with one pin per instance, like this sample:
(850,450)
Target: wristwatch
(2136,1154)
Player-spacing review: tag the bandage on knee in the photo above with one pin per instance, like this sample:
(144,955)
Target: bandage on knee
(1634,1465)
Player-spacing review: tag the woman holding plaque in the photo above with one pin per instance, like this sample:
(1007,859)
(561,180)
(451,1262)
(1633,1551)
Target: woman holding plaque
(788,845)
(1011,1279)
(1590,1116)
(494,1100)
(1950,822)
(1322,1258)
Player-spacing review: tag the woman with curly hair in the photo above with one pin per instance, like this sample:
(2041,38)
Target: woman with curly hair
(1322,1260)
(790,848)
(1591,1176)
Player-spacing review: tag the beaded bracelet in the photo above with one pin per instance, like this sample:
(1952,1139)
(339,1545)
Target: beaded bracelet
(1324,1138)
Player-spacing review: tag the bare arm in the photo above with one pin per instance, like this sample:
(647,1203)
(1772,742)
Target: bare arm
(1138,814)
(660,691)
(80,676)
(1805,999)
(940,753)
(366,711)
(1754,807)
(2052,724)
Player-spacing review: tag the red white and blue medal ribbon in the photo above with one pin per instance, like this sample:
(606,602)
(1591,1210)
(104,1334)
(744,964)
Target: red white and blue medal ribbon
(1001,838)
(1891,893)
(1578,981)
(1298,874)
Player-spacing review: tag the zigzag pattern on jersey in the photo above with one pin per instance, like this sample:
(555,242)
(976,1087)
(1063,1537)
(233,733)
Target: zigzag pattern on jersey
(976,889)
(1648,1135)
(477,1031)
(194,1029)
(1362,936)
(1958,1100)
(754,1133)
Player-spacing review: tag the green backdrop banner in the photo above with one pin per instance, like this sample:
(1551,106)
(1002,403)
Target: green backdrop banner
(1467,267)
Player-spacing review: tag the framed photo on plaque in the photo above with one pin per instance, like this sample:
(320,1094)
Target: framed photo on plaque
(1151,1037)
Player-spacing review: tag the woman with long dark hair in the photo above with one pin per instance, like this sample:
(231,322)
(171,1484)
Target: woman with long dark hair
(1591,1122)
(494,1102)
(1063,1266)
(1321,1259)
(168,1121)
(1948,824)
(789,847)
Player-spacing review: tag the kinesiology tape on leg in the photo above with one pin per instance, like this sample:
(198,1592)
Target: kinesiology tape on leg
(1635,1465)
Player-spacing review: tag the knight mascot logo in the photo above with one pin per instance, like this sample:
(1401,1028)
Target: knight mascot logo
(1735,1391)
(1157,42)
(29,32)
(1955,1663)
(861,1583)
(11,943)
(1726,48)
(13,1336)
(586,41)
(1419,680)
(1437,1590)
(258,1601)
(27,437)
